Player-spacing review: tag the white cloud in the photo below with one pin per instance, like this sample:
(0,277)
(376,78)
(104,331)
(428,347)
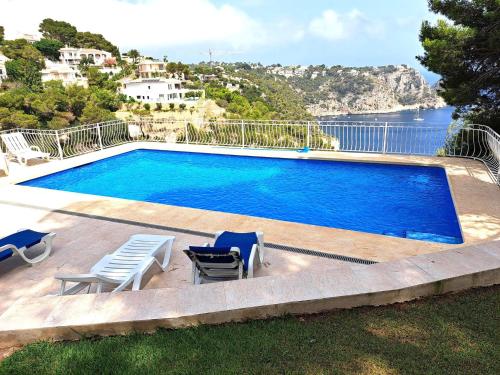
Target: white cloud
(334,26)
(285,30)
(141,24)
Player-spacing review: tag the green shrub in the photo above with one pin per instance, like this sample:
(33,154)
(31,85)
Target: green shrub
(141,112)
(222,103)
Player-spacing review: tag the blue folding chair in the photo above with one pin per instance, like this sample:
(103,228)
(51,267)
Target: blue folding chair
(233,256)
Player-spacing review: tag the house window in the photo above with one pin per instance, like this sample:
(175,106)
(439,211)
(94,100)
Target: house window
(149,87)
(138,96)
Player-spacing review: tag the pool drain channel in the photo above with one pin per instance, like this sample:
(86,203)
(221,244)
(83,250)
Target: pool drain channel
(343,258)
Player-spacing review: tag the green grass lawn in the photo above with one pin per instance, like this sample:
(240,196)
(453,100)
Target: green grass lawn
(453,334)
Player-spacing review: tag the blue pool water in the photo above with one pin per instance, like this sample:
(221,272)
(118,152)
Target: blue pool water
(397,200)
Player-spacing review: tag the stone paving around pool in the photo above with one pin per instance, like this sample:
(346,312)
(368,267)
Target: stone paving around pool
(89,226)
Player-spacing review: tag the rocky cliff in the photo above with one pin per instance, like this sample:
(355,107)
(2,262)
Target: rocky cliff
(340,90)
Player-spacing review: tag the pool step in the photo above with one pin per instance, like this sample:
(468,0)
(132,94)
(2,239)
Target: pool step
(422,236)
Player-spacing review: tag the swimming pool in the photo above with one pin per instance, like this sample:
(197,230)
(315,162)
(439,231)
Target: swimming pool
(397,200)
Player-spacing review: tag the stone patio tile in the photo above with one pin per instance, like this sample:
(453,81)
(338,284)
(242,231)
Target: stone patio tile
(339,282)
(492,248)
(454,263)
(373,279)
(404,272)
(28,313)
(476,257)
(249,293)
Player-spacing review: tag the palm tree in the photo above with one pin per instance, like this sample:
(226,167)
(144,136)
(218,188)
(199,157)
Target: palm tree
(134,55)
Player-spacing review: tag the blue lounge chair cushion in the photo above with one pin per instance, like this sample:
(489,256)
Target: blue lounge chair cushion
(202,250)
(25,238)
(244,241)
(6,254)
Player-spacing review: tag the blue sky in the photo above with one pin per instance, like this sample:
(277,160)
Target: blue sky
(392,39)
(344,32)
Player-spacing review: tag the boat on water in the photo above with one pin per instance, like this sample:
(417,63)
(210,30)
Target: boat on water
(418,118)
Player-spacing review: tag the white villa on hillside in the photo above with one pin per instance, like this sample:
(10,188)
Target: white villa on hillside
(154,90)
(62,72)
(111,70)
(151,68)
(30,38)
(72,56)
(3,70)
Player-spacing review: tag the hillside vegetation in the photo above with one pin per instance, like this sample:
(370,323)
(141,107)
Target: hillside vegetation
(300,92)
(239,90)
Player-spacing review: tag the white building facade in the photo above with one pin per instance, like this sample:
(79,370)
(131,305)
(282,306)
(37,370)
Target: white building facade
(73,56)
(151,69)
(3,70)
(30,38)
(111,70)
(63,72)
(154,90)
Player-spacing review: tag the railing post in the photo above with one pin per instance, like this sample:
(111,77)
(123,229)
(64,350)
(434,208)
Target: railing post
(99,135)
(186,130)
(242,133)
(384,145)
(308,136)
(59,148)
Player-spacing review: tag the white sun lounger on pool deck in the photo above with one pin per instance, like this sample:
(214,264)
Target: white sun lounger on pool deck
(3,163)
(17,146)
(126,265)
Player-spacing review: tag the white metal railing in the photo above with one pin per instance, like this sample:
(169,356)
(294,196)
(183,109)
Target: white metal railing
(471,141)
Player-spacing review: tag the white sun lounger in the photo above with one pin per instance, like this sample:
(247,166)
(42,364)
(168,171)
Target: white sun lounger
(20,149)
(3,163)
(126,265)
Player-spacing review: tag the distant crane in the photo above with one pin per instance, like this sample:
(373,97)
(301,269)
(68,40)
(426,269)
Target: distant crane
(212,53)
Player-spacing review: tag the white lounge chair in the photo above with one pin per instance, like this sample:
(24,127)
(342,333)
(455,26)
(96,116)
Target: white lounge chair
(134,131)
(20,149)
(3,163)
(126,265)
(233,256)
(18,243)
